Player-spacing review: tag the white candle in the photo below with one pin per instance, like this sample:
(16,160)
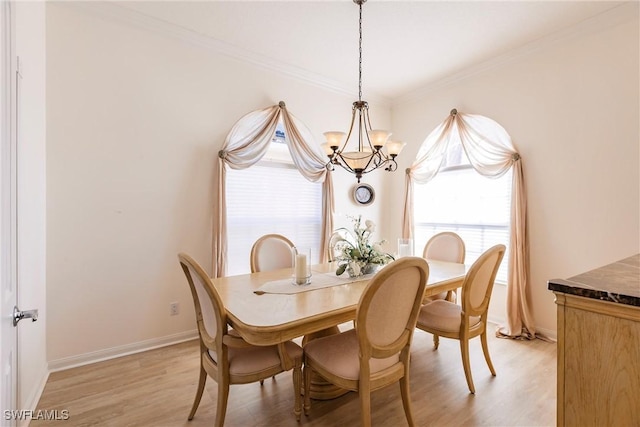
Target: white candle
(301,269)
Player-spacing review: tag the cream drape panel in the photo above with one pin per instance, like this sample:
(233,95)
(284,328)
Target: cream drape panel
(245,145)
(490,151)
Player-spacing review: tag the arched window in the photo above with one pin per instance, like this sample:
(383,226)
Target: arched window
(490,152)
(246,145)
(271,197)
(461,200)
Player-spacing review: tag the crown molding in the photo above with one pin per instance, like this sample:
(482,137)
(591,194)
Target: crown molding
(140,20)
(610,18)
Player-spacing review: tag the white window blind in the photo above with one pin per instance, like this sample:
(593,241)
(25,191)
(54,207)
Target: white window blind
(271,197)
(477,208)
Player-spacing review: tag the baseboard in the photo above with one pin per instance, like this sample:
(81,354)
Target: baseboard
(544,334)
(114,352)
(547,334)
(124,350)
(495,321)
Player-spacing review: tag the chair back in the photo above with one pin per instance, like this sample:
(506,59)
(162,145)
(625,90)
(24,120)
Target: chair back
(445,246)
(271,252)
(336,236)
(388,308)
(478,283)
(211,316)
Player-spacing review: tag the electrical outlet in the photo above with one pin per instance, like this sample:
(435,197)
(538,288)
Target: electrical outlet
(174,308)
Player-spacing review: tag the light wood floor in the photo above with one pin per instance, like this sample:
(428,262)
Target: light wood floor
(156,388)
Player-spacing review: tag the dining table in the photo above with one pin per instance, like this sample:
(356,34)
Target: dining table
(265,318)
(267,308)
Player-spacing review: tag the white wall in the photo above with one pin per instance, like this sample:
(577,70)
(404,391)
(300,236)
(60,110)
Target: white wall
(30,47)
(571,108)
(135,121)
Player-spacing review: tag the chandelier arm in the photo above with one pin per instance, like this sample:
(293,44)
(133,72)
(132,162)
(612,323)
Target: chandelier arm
(360,129)
(393,166)
(366,168)
(353,119)
(364,171)
(343,163)
(367,120)
(379,159)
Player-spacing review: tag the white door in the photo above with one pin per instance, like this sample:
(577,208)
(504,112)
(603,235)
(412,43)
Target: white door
(8,216)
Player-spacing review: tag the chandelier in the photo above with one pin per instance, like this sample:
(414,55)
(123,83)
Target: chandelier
(370,155)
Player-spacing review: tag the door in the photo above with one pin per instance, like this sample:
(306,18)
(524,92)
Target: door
(8,215)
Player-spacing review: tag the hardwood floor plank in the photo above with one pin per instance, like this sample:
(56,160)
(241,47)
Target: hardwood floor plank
(156,388)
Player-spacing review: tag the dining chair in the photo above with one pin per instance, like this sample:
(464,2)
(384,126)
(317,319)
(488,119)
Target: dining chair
(271,252)
(445,246)
(376,352)
(226,357)
(336,236)
(469,320)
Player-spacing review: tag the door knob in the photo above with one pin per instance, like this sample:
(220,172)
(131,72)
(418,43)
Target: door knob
(27,314)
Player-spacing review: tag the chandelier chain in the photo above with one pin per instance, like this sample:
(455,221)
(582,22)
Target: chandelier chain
(360,60)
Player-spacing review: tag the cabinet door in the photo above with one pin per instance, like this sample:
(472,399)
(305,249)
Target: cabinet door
(601,363)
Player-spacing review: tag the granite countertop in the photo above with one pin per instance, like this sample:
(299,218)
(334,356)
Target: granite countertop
(618,282)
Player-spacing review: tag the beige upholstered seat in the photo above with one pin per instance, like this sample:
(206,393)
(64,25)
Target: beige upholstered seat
(271,252)
(375,353)
(226,357)
(445,246)
(450,320)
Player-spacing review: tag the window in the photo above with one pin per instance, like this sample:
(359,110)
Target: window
(271,197)
(461,200)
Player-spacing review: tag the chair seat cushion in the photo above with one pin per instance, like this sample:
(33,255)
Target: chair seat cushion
(256,359)
(441,295)
(443,315)
(338,354)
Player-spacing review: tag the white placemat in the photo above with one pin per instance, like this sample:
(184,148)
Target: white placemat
(318,281)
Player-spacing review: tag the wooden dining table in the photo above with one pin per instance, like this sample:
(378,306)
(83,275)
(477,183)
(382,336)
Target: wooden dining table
(268,319)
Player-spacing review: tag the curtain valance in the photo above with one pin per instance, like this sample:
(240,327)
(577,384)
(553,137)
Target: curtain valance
(246,143)
(490,151)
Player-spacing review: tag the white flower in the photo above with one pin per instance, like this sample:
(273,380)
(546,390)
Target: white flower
(371,226)
(377,248)
(355,268)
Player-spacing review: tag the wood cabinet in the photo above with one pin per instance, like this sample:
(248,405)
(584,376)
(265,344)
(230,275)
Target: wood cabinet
(599,346)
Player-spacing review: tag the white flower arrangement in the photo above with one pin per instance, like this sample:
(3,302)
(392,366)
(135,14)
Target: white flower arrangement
(359,256)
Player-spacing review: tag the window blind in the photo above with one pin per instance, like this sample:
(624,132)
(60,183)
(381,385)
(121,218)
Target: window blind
(477,208)
(270,197)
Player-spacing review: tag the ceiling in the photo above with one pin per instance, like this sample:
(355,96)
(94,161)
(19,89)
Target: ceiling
(407,45)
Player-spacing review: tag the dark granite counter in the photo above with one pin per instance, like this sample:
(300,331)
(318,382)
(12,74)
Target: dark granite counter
(618,282)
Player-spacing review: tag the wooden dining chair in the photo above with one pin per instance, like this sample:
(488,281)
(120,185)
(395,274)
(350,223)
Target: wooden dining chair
(337,236)
(376,352)
(445,246)
(227,358)
(446,319)
(271,252)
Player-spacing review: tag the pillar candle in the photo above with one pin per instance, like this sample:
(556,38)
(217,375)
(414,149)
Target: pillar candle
(301,269)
